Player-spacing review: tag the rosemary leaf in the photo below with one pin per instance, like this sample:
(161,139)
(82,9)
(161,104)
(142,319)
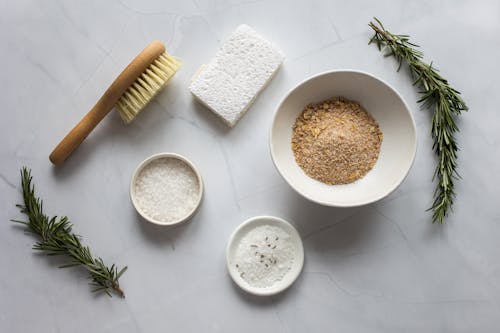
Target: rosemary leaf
(447,104)
(55,237)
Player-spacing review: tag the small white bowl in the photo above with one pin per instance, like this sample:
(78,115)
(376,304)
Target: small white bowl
(387,107)
(146,162)
(289,277)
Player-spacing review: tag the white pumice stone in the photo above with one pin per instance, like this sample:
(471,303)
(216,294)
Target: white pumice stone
(240,70)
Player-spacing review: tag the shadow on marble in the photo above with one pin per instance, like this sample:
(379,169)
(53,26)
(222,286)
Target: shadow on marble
(436,232)
(332,235)
(249,298)
(112,134)
(309,216)
(110,129)
(160,235)
(263,301)
(209,117)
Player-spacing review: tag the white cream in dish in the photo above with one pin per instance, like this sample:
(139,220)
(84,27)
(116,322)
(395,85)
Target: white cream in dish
(264,255)
(242,67)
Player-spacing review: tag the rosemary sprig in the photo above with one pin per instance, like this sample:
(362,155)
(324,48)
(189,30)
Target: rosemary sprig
(436,94)
(56,238)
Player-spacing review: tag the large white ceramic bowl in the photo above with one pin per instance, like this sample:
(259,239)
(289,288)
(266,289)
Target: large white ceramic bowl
(388,108)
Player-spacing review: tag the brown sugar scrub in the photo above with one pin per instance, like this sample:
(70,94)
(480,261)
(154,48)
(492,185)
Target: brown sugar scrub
(336,141)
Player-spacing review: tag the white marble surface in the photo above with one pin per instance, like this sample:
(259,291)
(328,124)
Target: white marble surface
(380,268)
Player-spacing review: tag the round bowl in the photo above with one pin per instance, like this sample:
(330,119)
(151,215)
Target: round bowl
(139,169)
(383,102)
(289,277)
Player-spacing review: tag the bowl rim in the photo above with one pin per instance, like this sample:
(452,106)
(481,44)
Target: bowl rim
(269,291)
(146,162)
(359,203)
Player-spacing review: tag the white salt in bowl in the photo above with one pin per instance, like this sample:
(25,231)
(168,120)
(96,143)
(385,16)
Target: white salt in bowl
(133,194)
(237,236)
(383,102)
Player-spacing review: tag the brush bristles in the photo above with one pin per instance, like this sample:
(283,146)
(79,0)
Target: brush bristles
(145,87)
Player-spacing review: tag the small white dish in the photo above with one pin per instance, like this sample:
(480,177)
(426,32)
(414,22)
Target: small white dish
(288,278)
(383,102)
(146,162)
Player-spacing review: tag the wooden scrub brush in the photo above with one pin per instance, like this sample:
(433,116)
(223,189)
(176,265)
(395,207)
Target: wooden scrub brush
(131,91)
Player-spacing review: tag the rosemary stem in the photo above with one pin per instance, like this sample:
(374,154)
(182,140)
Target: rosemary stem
(438,95)
(56,238)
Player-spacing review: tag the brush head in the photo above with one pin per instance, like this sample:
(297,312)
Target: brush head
(130,92)
(146,86)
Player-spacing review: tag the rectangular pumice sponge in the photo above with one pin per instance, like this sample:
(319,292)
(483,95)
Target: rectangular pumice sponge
(242,67)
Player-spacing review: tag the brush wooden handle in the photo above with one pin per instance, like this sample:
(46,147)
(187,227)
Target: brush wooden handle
(106,103)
